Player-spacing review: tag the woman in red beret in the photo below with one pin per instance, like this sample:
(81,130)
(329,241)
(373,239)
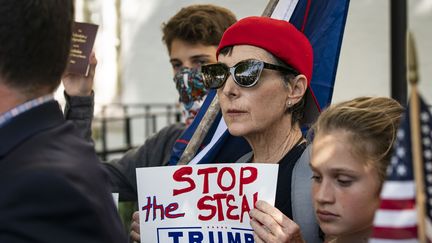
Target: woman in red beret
(263,81)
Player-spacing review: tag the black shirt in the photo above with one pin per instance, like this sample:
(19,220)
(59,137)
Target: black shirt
(283,188)
(286,167)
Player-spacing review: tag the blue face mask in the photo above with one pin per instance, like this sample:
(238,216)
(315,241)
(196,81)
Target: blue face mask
(192,91)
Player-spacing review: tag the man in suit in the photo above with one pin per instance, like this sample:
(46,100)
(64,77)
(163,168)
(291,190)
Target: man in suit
(52,186)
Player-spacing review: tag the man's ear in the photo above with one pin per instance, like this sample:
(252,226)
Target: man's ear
(298,89)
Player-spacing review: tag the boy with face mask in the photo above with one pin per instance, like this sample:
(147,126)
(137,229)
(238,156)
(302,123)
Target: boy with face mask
(191,37)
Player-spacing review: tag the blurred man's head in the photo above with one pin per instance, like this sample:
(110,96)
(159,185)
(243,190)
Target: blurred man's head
(191,37)
(35,42)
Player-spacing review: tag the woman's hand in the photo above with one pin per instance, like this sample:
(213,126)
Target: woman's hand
(271,226)
(80,85)
(135,227)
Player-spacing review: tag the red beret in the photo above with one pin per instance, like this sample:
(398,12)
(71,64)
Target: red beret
(283,40)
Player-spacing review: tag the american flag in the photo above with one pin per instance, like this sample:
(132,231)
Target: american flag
(396,219)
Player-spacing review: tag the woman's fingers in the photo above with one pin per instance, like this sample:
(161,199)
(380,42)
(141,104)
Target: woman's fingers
(135,227)
(261,232)
(271,225)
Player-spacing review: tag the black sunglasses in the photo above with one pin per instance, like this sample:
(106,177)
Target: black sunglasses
(245,73)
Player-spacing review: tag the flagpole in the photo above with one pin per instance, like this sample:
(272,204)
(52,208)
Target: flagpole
(211,113)
(270,8)
(200,132)
(416,141)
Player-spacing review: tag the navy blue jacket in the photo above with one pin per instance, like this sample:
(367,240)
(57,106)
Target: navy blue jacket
(52,186)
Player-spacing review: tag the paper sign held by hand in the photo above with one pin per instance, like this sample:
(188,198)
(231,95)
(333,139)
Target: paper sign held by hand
(202,203)
(83,38)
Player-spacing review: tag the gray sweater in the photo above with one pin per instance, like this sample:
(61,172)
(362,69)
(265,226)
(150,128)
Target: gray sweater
(155,151)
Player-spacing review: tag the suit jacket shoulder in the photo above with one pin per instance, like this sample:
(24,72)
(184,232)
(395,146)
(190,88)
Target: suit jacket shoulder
(57,182)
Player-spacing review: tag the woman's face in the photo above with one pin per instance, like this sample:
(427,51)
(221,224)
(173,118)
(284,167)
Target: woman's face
(345,189)
(251,111)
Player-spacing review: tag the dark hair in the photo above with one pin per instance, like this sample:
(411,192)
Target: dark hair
(35,43)
(297,110)
(203,24)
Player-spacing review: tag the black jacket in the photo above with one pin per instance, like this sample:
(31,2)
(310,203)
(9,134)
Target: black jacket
(53,188)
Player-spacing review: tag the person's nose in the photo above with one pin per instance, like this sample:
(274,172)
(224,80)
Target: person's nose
(230,89)
(323,192)
(188,65)
(191,64)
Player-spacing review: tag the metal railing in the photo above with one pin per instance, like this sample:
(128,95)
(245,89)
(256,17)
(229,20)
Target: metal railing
(127,121)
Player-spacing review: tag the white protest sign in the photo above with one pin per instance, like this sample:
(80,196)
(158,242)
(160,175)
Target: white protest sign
(202,203)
